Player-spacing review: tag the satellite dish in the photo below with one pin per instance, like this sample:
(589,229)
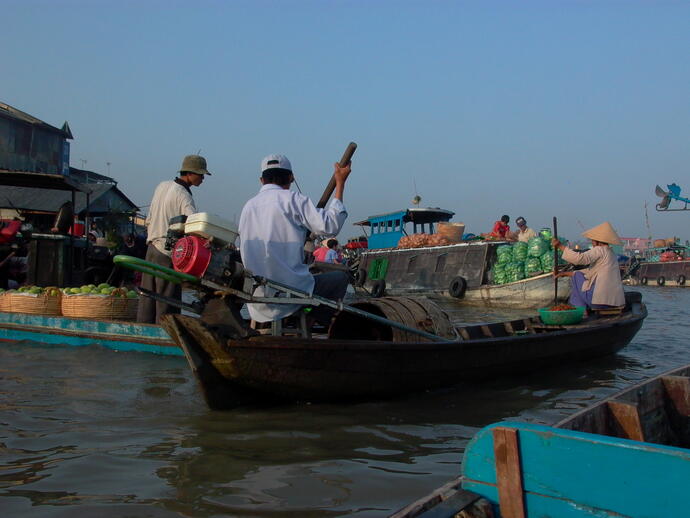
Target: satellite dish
(416,200)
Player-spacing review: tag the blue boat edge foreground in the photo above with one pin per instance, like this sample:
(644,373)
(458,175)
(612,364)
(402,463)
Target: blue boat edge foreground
(111,334)
(624,456)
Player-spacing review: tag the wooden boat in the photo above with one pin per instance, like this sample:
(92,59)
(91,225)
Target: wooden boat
(58,330)
(361,359)
(626,456)
(458,270)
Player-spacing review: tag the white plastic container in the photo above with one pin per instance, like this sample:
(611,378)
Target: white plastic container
(210,226)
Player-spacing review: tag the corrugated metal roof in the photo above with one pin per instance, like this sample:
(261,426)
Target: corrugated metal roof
(102,198)
(13,113)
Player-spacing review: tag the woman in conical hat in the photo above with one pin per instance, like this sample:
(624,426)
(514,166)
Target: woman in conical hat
(599,286)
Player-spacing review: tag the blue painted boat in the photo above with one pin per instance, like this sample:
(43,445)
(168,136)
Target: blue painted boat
(116,335)
(627,456)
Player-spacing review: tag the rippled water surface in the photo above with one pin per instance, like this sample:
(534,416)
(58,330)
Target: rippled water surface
(91,432)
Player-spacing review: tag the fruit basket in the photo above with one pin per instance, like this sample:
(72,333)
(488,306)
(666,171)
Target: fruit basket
(101,302)
(33,300)
(562,317)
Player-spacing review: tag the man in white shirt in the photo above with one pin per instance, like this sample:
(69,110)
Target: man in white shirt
(273,227)
(523,233)
(171,198)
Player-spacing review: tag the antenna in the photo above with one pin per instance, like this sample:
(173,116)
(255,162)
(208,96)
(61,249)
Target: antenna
(646,220)
(108,164)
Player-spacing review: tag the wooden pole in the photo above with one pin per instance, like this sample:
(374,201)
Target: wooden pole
(555,263)
(347,156)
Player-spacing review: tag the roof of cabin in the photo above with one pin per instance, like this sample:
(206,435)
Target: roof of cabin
(415,215)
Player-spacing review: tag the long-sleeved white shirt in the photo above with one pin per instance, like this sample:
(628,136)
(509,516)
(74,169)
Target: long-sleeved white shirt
(273,228)
(170,199)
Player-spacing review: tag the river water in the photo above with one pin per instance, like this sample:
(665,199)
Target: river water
(91,432)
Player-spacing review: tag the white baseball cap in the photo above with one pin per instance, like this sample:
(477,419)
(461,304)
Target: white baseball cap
(275,162)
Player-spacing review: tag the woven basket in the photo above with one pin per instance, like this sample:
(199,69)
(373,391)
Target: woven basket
(3,303)
(105,307)
(42,304)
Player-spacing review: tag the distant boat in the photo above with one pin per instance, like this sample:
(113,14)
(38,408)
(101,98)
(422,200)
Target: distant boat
(627,455)
(458,270)
(661,266)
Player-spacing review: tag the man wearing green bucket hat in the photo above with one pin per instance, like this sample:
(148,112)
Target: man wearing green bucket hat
(171,198)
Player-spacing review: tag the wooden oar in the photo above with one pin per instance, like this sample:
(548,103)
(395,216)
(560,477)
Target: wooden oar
(347,156)
(555,263)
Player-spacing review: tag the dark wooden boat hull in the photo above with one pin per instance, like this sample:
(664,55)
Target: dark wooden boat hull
(331,370)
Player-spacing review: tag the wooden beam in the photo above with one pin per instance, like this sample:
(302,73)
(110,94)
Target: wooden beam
(487,332)
(508,473)
(628,418)
(678,390)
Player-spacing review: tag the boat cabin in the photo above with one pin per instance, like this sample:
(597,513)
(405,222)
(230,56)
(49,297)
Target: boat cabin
(387,229)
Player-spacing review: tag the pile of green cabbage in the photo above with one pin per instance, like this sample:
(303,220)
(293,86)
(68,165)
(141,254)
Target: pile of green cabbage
(521,260)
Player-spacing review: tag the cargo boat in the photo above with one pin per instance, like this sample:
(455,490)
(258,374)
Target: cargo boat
(459,270)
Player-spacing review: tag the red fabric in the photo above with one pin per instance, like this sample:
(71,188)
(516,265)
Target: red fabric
(320,254)
(500,229)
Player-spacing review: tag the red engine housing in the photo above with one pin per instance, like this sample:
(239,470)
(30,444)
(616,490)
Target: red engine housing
(191,254)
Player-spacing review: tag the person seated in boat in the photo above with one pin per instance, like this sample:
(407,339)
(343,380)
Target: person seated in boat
(599,286)
(332,255)
(501,228)
(273,227)
(320,253)
(523,233)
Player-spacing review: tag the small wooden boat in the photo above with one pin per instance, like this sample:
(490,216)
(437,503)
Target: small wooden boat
(59,330)
(361,358)
(626,456)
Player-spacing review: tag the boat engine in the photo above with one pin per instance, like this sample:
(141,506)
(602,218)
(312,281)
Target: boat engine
(203,246)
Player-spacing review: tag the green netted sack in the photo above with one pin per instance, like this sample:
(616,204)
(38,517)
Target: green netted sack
(499,267)
(499,278)
(514,271)
(520,251)
(547,261)
(504,254)
(545,233)
(537,246)
(533,266)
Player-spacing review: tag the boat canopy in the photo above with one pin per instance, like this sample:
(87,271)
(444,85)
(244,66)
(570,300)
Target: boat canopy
(387,229)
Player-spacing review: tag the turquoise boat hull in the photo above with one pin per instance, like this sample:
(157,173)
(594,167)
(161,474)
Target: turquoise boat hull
(115,335)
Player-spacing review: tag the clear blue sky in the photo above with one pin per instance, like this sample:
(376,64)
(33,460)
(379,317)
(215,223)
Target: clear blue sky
(572,109)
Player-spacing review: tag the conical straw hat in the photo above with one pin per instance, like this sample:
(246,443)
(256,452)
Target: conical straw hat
(603,233)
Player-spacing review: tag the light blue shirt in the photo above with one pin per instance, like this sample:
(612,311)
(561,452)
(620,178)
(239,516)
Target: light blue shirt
(273,227)
(331,256)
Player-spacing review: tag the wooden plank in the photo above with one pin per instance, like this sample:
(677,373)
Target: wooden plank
(508,473)
(463,333)
(568,474)
(628,418)
(509,328)
(487,332)
(451,506)
(678,390)
(528,326)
